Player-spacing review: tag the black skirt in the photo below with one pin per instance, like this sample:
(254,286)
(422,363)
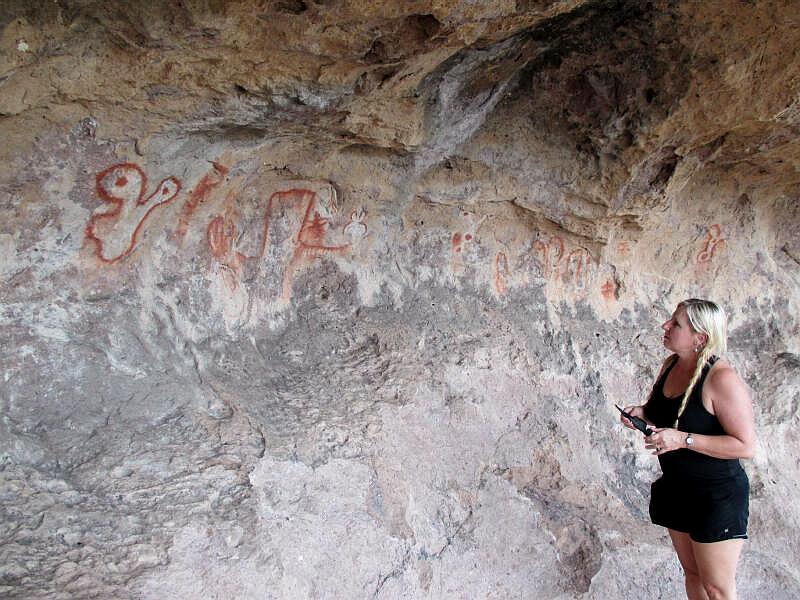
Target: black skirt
(709,510)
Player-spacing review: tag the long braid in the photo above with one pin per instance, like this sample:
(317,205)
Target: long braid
(702,359)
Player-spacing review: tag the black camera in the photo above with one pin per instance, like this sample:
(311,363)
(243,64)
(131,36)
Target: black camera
(640,424)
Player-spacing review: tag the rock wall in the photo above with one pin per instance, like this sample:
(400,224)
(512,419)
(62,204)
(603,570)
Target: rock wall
(333,299)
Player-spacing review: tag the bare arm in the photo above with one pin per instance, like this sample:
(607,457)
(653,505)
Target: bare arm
(734,409)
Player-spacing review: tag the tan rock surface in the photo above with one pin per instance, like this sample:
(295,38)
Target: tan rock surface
(332,298)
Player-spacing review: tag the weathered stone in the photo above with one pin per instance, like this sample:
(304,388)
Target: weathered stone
(332,299)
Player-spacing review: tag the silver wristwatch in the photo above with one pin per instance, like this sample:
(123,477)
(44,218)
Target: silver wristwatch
(689,440)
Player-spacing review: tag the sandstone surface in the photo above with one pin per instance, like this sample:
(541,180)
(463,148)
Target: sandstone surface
(333,298)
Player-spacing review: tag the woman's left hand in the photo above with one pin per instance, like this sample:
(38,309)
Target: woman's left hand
(664,440)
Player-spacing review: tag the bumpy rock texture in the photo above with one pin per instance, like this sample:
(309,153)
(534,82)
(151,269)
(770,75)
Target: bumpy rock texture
(333,298)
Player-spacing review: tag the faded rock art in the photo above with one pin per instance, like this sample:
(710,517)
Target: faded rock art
(501,274)
(198,195)
(466,247)
(713,241)
(458,239)
(220,234)
(313,230)
(609,290)
(562,266)
(356,229)
(294,230)
(115,231)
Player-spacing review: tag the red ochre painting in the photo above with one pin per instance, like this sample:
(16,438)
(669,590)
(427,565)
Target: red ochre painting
(294,231)
(609,290)
(712,242)
(560,265)
(501,274)
(199,195)
(458,240)
(115,230)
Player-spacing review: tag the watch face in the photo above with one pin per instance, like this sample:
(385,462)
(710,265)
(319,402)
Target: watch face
(689,440)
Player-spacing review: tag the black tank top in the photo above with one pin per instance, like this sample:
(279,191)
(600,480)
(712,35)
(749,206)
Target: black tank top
(661,411)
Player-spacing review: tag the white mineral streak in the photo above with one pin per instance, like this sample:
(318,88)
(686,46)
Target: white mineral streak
(8,255)
(334,300)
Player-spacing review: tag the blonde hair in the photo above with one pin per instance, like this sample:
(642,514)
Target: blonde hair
(705,317)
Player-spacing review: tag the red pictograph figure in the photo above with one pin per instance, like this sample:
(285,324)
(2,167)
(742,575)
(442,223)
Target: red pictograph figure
(609,290)
(294,230)
(501,273)
(220,236)
(221,232)
(558,264)
(713,241)
(577,262)
(115,231)
(314,228)
(198,195)
(455,242)
(550,255)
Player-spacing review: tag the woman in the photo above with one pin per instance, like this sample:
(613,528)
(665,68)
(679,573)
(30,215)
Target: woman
(703,424)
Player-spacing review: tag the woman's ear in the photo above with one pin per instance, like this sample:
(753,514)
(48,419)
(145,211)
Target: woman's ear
(702,338)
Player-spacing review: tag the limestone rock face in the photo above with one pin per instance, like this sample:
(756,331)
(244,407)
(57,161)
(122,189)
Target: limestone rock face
(333,298)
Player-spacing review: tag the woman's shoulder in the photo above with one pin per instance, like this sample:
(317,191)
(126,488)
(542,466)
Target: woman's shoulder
(723,377)
(719,367)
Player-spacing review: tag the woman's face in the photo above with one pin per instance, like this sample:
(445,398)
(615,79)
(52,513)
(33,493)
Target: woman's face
(679,335)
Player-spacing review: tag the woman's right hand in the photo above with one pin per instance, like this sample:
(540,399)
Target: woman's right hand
(636,411)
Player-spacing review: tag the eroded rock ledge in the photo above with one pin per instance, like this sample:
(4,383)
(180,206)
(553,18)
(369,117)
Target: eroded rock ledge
(332,299)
